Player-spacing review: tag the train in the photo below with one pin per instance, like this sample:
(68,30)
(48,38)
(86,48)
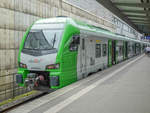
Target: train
(56,52)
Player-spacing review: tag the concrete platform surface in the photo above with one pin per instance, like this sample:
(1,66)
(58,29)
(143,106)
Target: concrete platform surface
(123,88)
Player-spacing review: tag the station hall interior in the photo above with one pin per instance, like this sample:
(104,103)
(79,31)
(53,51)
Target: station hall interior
(74,56)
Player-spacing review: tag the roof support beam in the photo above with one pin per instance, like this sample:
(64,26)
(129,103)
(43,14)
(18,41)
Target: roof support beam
(144,20)
(137,11)
(142,23)
(144,5)
(138,16)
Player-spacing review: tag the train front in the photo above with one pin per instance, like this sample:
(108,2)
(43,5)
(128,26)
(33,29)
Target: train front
(37,56)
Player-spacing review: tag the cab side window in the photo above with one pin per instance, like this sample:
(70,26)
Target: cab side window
(74,43)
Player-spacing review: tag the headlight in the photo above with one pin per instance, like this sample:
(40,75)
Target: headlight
(21,65)
(52,66)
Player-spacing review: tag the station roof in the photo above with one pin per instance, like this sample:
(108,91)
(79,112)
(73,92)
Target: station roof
(136,13)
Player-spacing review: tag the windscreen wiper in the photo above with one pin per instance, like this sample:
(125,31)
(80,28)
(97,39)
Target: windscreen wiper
(54,40)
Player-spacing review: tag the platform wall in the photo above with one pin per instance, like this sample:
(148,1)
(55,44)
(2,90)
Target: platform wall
(17,15)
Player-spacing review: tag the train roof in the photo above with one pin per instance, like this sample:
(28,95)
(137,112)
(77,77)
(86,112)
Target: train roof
(88,29)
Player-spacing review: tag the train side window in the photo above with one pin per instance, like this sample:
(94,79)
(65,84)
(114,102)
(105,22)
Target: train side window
(104,50)
(128,48)
(83,44)
(98,50)
(120,50)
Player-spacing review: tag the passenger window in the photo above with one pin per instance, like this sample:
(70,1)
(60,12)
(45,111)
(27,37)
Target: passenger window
(120,50)
(104,50)
(83,44)
(129,48)
(98,50)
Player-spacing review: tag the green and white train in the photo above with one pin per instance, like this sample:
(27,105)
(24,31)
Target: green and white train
(58,51)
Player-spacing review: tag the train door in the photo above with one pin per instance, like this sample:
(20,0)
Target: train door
(134,45)
(116,51)
(83,57)
(129,49)
(113,52)
(109,53)
(140,48)
(125,50)
(133,48)
(90,55)
(81,65)
(137,48)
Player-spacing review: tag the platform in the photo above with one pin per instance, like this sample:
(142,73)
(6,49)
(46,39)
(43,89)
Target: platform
(123,88)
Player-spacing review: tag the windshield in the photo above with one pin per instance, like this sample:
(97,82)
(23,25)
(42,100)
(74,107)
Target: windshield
(43,40)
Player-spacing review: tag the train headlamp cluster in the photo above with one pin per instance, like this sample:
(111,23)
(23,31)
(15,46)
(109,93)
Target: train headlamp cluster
(52,66)
(21,65)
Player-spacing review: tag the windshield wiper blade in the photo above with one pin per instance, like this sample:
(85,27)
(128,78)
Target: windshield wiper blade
(54,40)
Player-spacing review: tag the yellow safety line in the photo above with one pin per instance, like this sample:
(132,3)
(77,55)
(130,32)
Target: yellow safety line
(18,97)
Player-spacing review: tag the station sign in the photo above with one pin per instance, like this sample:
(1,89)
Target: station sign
(145,37)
